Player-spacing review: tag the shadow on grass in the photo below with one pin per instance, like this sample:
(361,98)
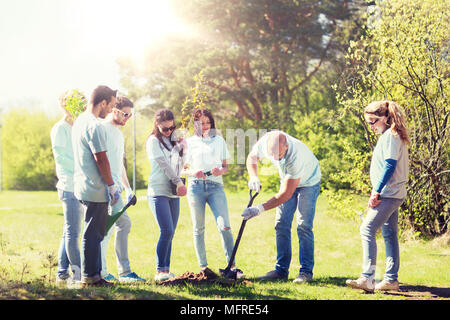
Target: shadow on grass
(336,281)
(38,290)
(238,291)
(408,291)
(421,292)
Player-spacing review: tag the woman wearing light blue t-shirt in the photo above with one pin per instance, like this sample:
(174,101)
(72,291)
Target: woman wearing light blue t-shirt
(69,248)
(389,175)
(166,160)
(206,162)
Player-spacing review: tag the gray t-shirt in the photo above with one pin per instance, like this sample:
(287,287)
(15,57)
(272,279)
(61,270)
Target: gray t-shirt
(88,138)
(390,146)
(299,161)
(158,181)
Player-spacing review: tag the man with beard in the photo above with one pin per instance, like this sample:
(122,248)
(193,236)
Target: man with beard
(93,183)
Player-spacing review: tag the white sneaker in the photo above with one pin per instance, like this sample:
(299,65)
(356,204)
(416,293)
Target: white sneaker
(361,283)
(387,285)
(162,276)
(74,284)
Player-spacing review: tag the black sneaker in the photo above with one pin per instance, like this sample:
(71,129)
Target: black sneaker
(272,275)
(99,283)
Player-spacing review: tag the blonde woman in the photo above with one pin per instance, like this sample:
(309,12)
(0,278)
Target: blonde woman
(389,175)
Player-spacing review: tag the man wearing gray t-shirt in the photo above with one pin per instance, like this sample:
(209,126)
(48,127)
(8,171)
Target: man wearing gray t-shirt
(93,183)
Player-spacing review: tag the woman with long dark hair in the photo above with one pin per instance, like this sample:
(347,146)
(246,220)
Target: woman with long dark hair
(206,162)
(165,186)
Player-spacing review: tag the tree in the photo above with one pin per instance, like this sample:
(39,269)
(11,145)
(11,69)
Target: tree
(255,55)
(404,58)
(27,153)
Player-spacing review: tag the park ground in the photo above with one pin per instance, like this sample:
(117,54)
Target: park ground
(31,228)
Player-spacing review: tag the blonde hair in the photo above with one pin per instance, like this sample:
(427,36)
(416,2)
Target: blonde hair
(395,117)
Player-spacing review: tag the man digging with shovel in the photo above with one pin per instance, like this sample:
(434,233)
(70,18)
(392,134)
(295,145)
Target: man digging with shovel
(299,188)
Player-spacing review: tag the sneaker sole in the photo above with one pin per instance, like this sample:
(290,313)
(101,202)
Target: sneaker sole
(132,280)
(358,287)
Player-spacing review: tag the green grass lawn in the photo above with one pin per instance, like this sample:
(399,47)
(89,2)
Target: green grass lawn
(31,228)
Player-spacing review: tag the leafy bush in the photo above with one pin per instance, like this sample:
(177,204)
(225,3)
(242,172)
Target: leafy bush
(404,58)
(26,151)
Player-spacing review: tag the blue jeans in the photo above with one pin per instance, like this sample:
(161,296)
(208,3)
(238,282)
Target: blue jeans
(122,227)
(166,211)
(199,194)
(304,199)
(69,248)
(384,216)
(94,230)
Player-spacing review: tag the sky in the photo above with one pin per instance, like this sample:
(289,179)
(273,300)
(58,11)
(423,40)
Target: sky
(49,46)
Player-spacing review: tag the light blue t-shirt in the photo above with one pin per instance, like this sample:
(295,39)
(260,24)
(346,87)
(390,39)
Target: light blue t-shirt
(298,162)
(115,151)
(88,138)
(390,146)
(203,154)
(61,138)
(158,181)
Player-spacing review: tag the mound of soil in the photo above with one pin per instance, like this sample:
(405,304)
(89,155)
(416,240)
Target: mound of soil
(206,276)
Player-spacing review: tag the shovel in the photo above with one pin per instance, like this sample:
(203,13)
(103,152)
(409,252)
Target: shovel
(227,272)
(111,219)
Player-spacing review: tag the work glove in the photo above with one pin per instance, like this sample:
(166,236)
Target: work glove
(129,193)
(252,212)
(114,194)
(254,183)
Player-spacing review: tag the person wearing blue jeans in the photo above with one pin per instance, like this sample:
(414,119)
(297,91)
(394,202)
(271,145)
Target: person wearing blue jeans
(304,200)
(299,189)
(206,162)
(166,211)
(69,248)
(165,154)
(122,111)
(199,194)
(93,183)
(388,175)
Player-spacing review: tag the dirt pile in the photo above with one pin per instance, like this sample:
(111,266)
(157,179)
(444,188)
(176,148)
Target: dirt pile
(206,276)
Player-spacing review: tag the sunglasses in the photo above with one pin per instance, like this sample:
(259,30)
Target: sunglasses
(164,129)
(125,114)
(373,122)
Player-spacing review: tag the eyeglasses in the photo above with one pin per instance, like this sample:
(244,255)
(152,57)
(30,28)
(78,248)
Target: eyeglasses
(125,114)
(373,122)
(164,129)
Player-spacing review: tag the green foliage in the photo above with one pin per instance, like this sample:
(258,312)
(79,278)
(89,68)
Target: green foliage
(74,102)
(255,56)
(195,100)
(404,58)
(26,151)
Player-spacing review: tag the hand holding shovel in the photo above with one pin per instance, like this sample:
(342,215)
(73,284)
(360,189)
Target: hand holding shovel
(111,219)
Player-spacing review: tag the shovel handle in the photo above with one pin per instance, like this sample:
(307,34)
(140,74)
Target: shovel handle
(252,197)
(241,230)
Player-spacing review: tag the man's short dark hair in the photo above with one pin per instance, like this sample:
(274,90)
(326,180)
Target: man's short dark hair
(102,93)
(122,102)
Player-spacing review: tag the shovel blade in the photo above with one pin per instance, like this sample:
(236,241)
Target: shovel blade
(229,274)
